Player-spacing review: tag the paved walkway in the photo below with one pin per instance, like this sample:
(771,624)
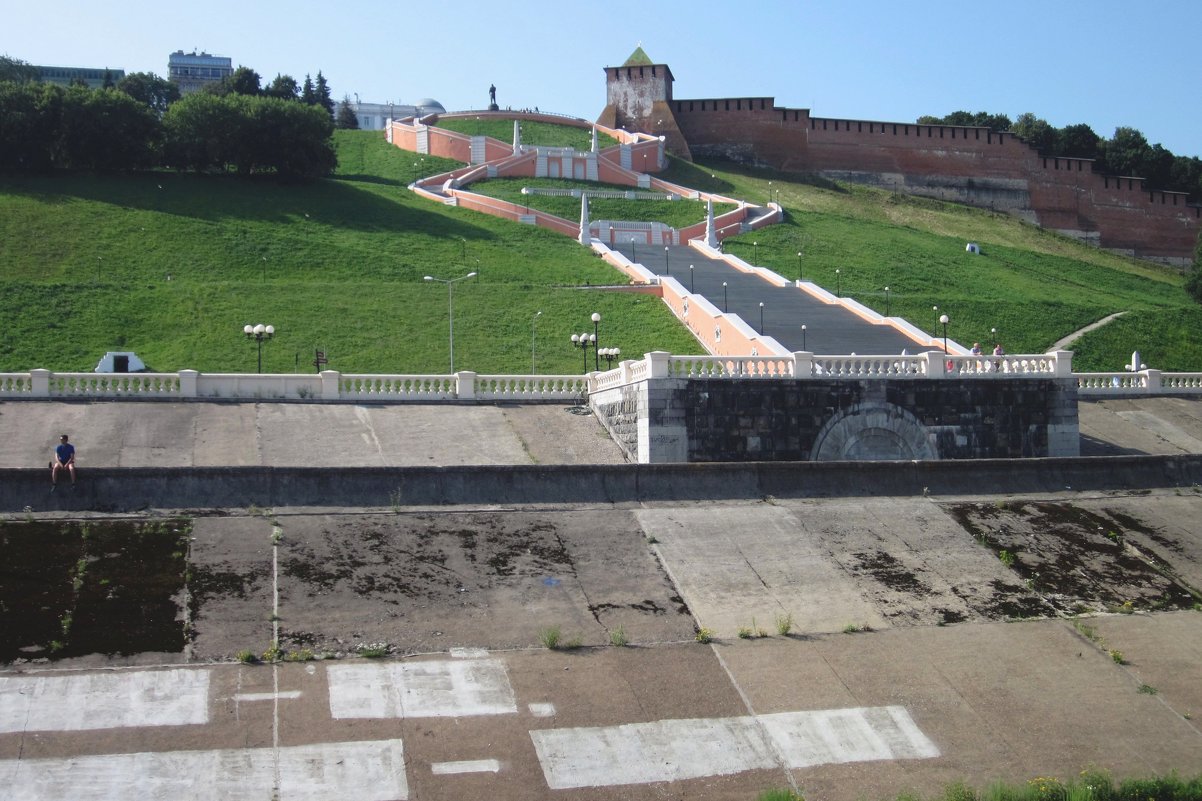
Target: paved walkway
(829,328)
(200,434)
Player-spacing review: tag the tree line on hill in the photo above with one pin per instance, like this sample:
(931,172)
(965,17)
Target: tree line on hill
(1125,153)
(141,122)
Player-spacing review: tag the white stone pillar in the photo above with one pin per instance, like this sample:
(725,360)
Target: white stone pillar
(1064,363)
(711,236)
(658,364)
(585,238)
(465,385)
(1152,382)
(39,383)
(625,366)
(936,363)
(187,383)
(517,138)
(330,379)
(803,364)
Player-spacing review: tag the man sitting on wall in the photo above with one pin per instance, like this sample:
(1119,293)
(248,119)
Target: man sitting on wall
(64,459)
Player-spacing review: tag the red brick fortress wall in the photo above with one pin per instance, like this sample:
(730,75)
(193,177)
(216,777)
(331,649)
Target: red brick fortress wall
(968,165)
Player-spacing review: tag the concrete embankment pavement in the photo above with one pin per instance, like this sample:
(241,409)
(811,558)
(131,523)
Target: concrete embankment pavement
(932,684)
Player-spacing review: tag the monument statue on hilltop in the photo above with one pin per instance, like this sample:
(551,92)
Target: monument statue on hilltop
(492,98)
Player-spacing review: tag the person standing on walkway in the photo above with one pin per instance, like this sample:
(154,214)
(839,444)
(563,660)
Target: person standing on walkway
(64,459)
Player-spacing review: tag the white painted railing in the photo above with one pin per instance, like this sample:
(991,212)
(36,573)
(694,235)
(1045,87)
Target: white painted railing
(326,386)
(332,385)
(1142,382)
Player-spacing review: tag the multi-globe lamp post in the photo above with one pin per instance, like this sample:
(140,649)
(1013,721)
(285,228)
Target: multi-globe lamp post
(584,341)
(258,333)
(609,354)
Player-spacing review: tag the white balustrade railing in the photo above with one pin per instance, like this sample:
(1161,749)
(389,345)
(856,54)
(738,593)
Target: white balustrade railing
(115,385)
(731,367)
(869,366)
(468,386)
(1143,382)
(397,387)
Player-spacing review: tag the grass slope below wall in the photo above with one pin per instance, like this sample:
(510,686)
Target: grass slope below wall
(1032,285)
(172,266)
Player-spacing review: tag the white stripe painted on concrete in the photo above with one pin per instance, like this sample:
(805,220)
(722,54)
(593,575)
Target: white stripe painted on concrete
(76,702)
(847,735)
(468,653)
(287,695)
(420,689)
(366,771)
(542,710)
(465,766)
(671,750)
(660,751)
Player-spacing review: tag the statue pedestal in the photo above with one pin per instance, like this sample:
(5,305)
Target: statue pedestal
(493,107)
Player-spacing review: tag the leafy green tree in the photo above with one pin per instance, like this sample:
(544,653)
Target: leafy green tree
(249,134)
(245,81)
(1036,132)
(283,87)
(980,119)
(299,139)
(1078,141)
(346,119)
(149,89)
(200,133)
(1126,153)
(30,114)
(17,71)
(109,83)
(103,129)
(308,94)
(323,95)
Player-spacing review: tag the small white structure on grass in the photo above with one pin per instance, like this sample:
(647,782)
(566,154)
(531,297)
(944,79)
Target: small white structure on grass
(120,362)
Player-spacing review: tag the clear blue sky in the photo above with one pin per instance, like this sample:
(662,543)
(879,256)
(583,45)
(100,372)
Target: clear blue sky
(1105,63)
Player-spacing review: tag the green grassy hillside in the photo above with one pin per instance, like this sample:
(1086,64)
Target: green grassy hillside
(172,266)
(1032,285)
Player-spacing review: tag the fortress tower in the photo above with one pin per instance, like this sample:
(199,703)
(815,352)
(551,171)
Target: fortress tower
(638,97)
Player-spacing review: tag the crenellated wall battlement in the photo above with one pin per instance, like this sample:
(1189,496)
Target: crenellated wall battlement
(963,164)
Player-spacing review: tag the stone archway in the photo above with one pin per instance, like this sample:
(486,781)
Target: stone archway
(873,431)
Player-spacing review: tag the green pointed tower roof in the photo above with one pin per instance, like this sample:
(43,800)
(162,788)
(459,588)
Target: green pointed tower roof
(638,59)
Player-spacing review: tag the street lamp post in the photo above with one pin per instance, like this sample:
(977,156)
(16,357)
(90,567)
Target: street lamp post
(583,341)
(533,327)
(799,276)
(450,282)
(596,338)
(609,354)
(887,307)
(667,269)
(761,317)
(943,320)
(936,310)
(690,278)
(259,333)
(838,283)
(755,253)
(725,305)
(803,336)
